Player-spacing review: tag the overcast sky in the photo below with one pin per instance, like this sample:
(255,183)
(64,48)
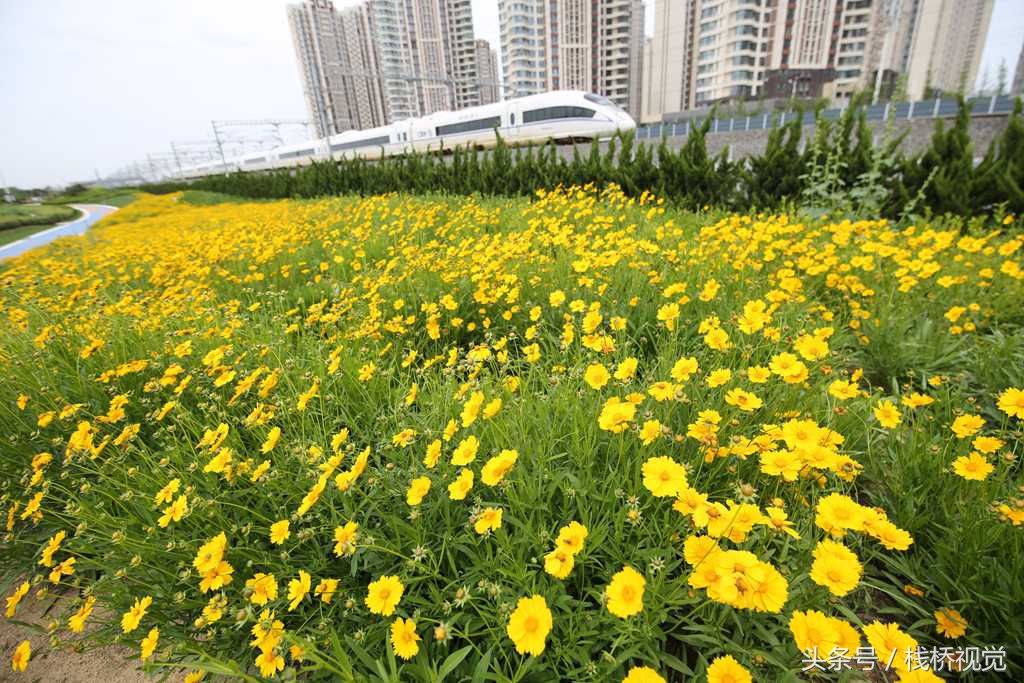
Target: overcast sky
(89,85)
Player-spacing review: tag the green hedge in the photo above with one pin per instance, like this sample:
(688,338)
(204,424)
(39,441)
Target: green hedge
(20,215)
(839,168)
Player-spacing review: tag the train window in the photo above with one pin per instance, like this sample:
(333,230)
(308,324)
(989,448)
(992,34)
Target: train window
(467,126)
(600,99)
(548,113)
(365,142)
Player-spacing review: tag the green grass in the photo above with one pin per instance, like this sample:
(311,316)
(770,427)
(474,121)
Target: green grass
(118,197)
(14,234)
(21,215)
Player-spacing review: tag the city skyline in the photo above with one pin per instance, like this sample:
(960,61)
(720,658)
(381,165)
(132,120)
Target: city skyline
(78,103)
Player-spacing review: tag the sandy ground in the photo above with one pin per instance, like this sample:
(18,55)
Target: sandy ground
(105,665)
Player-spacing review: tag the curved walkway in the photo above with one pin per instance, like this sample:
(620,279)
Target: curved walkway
(90,214)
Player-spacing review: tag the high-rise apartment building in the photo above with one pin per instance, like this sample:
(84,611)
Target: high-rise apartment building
(461,49)
(942,42)
(336,71)
(592,45)
(384,60)
(487,70)
(708,51)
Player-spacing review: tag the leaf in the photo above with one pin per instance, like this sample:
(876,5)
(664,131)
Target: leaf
(453,660)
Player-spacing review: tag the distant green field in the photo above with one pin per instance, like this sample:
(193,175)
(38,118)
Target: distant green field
(98,195)
(23,215)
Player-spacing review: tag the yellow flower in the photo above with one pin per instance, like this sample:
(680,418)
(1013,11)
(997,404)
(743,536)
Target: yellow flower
(987,444)
(967,425)
(529,625)
(973,467)
(650,431)
(917,400)
(22,653)
(433,454)
(15,598)
(625,370)
(271,441)
(836,567)
(269,662)
(471,409)
(744,400)
(404,639)
(488,520)
(890,644)
(279,532)
(148,644)
(559,563)
(130,619)
(298,589)
(814,632)
(625,593)
(465,452)
(460,488)
(76,622)
(263,588)
(495,469)
(418,489)
(326,589)
(758,374)
(1011,402)
(726,669)
(684,368)
(718,377)
(345,539)
(596,376)
(887,414)
(843,390)
(663,476)
(571,537)
(643,674)
(174,512)
(616,415)
(950,623)
(383,595)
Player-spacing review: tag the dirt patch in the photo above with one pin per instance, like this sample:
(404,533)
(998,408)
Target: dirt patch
(112,664)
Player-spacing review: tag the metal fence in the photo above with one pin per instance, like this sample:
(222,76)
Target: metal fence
(924,109)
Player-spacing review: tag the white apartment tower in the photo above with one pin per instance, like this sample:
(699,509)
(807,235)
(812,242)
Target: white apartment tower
(462,53)
(707,51)
(942,43)
(384,60)
(487,69)
(591,45)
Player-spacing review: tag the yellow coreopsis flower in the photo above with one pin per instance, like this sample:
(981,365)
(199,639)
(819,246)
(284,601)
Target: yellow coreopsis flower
(279,532)
(404,639)
(21,657)
(625,593)
(529,625)
(298,589)
(148,644)
(417,490)
(384,594)
(130,619)
(262,588)
(489,519)
(726,669)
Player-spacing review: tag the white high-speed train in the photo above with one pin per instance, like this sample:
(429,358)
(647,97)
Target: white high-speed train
(562,115)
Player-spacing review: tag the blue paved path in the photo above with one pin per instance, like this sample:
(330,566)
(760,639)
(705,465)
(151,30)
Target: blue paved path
(92,213)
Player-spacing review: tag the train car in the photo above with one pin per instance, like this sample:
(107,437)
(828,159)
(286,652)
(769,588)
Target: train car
(559,116)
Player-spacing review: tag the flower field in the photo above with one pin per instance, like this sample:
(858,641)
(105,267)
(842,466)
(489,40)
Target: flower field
(573,437)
